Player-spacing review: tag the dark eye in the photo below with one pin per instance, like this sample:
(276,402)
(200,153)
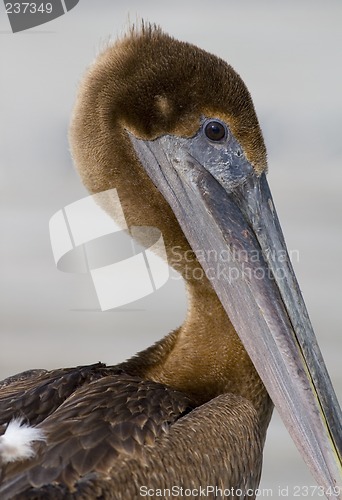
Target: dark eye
(215,131)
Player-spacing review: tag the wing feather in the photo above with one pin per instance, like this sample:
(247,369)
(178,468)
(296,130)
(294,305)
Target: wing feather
(101,422)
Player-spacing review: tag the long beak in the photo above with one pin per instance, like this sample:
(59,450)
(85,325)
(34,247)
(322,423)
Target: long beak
(258,290)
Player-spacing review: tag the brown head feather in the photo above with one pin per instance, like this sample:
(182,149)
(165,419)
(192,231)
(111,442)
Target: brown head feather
(152,84)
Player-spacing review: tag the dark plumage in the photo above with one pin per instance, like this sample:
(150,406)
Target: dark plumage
(191,410)
(110,433)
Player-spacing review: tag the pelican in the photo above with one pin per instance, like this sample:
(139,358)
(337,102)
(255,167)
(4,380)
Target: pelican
(174,130)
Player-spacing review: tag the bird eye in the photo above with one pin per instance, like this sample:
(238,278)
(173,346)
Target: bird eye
(215,131)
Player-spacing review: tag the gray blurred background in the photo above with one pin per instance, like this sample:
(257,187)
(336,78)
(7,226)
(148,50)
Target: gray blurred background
(289,54)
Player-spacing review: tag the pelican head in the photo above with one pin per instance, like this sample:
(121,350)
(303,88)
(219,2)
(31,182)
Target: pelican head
(174,129)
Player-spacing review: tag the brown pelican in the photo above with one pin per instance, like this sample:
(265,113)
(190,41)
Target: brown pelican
(173,128)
